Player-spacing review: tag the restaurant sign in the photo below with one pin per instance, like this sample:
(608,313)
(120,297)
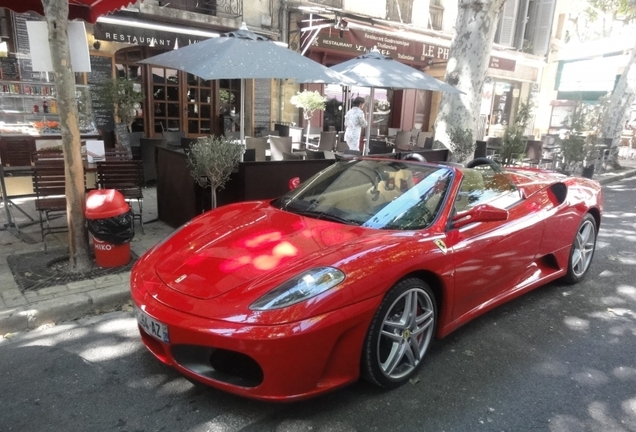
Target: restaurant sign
(358,42)
(143,36)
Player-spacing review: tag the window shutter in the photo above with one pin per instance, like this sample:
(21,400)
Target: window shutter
(543,26)
(508,22)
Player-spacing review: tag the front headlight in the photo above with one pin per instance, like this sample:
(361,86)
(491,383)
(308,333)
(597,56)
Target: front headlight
(300,288)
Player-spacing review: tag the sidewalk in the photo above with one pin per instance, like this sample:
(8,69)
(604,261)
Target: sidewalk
(30,309)
(20,311)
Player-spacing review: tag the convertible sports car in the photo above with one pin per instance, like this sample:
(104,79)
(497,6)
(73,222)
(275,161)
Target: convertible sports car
(353,272)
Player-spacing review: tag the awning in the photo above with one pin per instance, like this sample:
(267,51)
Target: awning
(87,10)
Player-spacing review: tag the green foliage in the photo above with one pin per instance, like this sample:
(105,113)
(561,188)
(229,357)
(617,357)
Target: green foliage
(514,138)
(579,144)
(462,144)
(309,101)
(121,93)
(226,96)
(212,160)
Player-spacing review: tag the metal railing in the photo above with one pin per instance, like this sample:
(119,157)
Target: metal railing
(228,8)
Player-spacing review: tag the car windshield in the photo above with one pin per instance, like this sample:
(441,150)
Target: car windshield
(372,193)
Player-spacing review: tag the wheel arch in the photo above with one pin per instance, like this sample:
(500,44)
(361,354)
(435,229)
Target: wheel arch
(596,214)
(434,281)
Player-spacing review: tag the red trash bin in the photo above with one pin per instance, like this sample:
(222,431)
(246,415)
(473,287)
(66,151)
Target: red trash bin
(106,204)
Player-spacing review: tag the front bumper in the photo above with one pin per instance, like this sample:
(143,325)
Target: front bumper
(275,362)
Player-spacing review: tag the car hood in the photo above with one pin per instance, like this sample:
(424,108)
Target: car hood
(239,244)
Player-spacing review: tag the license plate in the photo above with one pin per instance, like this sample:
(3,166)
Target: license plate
(153,327)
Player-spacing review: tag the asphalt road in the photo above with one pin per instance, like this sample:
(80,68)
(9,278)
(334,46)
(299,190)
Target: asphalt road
(562,358)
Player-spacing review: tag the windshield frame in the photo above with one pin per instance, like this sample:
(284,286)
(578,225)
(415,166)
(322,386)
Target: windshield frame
(373,193)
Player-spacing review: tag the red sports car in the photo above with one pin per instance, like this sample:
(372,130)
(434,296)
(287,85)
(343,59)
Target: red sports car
(353,272)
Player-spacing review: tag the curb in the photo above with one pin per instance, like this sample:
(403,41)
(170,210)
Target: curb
(67,307)
(613,177)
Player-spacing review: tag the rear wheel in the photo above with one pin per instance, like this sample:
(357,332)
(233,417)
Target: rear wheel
(400,334)
(582,250)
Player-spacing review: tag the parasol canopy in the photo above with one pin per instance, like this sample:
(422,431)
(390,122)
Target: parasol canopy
(377,70)
(242,54)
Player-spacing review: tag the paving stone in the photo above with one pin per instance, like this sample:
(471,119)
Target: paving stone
(52,290)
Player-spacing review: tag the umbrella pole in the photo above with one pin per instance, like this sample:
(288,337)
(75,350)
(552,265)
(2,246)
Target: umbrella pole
(242,120)
(369,122)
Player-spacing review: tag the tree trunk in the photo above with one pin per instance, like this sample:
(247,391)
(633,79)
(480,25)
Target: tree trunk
(468,61)
(616,113)
(56,12)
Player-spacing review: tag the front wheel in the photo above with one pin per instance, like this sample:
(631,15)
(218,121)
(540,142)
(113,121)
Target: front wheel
(400,334)
(582,250)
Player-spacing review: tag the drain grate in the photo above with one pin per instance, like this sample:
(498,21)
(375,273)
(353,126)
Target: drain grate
(36,270)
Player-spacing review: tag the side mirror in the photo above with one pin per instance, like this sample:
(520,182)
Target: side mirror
(293,183)
(480,213)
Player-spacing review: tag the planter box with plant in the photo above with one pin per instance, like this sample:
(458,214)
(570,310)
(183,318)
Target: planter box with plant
(212,160)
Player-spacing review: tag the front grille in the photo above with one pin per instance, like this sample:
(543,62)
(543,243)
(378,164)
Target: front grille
(219,364)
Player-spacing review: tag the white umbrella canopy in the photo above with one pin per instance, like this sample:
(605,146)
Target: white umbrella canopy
(377,70)
(242,54)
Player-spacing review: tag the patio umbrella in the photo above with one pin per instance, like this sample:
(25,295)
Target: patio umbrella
(242,54)
(377,70)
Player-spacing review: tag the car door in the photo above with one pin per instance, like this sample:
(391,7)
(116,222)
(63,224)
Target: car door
(492,258)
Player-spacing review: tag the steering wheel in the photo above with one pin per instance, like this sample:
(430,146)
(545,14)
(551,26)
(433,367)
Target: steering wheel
(484,161)
(414,156)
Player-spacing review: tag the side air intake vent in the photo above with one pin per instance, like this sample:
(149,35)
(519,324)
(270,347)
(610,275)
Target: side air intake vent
(560,191)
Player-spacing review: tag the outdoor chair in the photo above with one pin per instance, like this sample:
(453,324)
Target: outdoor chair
(118,154)
(47,154)
(126,176)
(422,139)
(314,154)
(480,149)
(49,186)
(402,139)
(278,146)
(134,139)
(327,141)
(259,145)
(534,152)
(174,138)
(379,147)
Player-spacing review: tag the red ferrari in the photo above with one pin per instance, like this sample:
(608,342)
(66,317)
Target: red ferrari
(353,272)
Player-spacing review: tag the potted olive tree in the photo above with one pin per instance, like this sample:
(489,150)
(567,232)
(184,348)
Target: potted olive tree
(212,160)
(126,97)
(309,101)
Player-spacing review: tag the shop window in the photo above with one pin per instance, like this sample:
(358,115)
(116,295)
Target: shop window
(166,106)
(199,105)
(125,67)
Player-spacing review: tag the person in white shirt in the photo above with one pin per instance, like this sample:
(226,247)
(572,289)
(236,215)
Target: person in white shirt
(354,122)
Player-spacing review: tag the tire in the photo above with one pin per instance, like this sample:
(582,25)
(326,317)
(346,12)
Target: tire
(399,335)
(582,250)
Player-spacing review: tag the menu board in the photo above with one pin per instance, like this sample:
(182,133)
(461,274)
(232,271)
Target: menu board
(121,132)
(9,68)
(23,50)
(101,73)
(262,104)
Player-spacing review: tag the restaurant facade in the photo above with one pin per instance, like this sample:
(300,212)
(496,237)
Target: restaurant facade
(512,76)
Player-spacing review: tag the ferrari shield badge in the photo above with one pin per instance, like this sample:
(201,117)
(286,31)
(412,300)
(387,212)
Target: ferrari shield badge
(441,245)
